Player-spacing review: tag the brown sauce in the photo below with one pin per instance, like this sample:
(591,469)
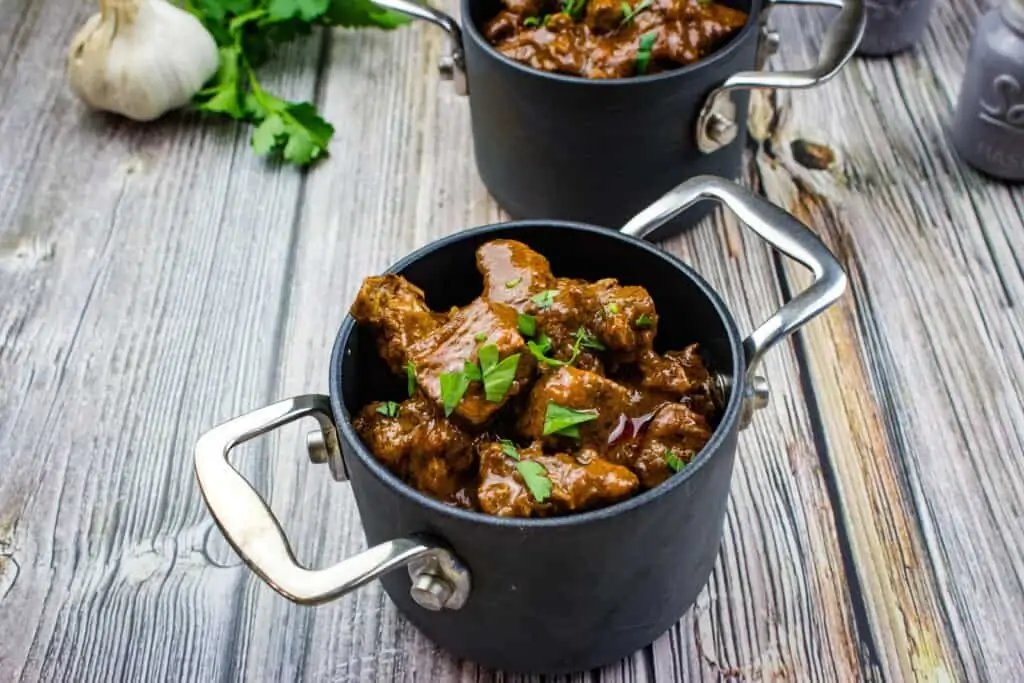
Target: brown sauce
(543,396)
(598,39)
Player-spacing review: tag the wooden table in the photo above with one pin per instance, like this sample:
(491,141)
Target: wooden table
(156,280)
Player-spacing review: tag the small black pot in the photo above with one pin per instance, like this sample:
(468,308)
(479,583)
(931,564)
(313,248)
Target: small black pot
(550,146)
(531,595)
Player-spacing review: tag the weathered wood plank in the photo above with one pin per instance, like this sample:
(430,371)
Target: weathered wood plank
(141,276)
(778,604)
(919,372)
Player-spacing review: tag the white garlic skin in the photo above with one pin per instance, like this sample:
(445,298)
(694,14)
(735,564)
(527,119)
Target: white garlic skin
(140,58)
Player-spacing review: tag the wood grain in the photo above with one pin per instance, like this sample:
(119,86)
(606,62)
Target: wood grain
(918,373)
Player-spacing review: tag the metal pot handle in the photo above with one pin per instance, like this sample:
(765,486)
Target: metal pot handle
(439,580)
(781,230)
(716,125)
(453,64)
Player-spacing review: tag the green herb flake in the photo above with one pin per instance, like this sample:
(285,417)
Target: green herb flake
(643,53)
(509,449)
(588,341)
(545,299)
(612,308)
(531,21)
(540,348)
(480,336)
(472,371)
(512,283)
(536,479)
(453,388)
(673,461)
(527,325)
(499,379)
(629,12)
(388,409)
(643,321)
(573,8)
(410,378)
(561,420)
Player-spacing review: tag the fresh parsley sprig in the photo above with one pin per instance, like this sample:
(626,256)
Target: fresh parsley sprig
(629,12)
(247,31)
(643,53)
(533,473)
(673,461)
(565,421)
(496,376)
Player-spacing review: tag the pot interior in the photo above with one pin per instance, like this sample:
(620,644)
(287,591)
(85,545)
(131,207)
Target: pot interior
(689,310)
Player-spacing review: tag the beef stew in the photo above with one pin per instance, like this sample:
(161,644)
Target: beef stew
(599,39)
(543,396)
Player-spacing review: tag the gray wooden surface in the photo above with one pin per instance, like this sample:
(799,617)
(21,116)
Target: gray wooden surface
(156,280)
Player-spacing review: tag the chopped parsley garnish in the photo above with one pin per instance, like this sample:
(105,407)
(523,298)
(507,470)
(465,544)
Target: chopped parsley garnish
(643,321)
(527,325)
(536,479)
(540,348)
(643,53)
(573,7)
(410,378)
(565,421)
(545,299)
(388,409)
(480,336)
(509,449)
(673,460)
(453,387)
(532,21)
(588,341)
(629,12)
(612,308)
(497,376)
(512,283)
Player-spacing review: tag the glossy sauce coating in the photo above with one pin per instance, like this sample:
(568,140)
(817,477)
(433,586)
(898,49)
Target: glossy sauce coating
(599,39)
(563,406)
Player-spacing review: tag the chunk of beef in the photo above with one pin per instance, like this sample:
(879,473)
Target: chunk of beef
(675,434)
(575,485)
(418,444)
(397,312)
(578,391)
(677,373)
(512,272)
(604,16)
(448,348)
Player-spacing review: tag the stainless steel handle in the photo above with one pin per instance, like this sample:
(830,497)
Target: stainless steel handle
(781,230)
(716,125)
(439,579)
(453,64)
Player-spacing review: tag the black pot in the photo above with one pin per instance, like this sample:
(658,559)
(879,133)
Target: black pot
(550,146)
(531,595)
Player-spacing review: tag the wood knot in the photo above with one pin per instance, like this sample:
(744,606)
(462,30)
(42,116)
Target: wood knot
(812,155)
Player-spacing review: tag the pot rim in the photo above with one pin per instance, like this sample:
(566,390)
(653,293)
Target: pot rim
(352,443)
(754,17)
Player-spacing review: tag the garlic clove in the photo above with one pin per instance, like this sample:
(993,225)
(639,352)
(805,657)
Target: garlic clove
(140,58)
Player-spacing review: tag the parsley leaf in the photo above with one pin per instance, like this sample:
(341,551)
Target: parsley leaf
(480,336)
(587,340)
(643,53)
(497,376)
(472,371)
(540,348)
(488,357)
(561,420)
(453,387)
(527,325)
(545,299)
(536,479)
(612,308)
(509,449)
(673,460)
(247,31)
(629,12)
(388,409)
(512,283)
(643,321)
(532,21)
(410,378)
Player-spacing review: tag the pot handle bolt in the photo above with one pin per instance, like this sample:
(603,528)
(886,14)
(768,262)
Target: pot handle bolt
(841,40)
(452,65)
(250,527)
(783,232)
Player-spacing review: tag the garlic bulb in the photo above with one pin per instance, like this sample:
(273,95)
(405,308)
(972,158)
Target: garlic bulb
(140,58)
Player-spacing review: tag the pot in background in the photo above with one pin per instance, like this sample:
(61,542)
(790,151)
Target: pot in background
(550,595)
(550,146)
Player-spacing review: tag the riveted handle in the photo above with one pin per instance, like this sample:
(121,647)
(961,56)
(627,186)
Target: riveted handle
(716,125)
(453,64)
(781,230)
(439,579)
